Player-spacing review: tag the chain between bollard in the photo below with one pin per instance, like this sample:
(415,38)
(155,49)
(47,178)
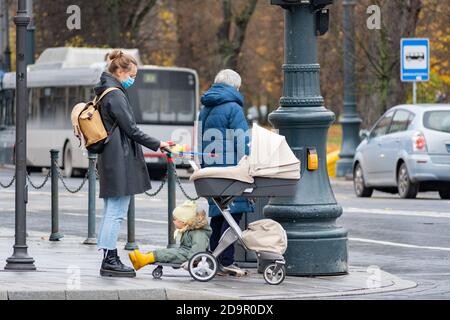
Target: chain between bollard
(61,178)
(180,185)
(6,186)
(38,187)
(163,182)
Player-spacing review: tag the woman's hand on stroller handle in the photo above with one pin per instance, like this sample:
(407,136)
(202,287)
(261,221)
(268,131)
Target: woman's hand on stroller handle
(165,146)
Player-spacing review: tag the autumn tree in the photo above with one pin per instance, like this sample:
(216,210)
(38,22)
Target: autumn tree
(114,23)
(247,35)
(379,52)
(232,31)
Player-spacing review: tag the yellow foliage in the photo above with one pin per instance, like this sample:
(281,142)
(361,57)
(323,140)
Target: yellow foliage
(163,59)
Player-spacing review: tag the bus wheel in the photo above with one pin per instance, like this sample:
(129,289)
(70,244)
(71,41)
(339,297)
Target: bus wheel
(67,162)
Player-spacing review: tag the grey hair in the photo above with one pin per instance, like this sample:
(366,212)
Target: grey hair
(229,77)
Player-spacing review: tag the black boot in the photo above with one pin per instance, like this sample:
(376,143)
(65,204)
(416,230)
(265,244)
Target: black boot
(113,267)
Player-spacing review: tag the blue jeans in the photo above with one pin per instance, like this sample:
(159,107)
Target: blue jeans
(114,212)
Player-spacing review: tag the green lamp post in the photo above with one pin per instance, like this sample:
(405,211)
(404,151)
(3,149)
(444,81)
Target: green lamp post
(316,245)
(349,120)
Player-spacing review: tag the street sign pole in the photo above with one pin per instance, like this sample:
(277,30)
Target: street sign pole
(20,260)
(415,62)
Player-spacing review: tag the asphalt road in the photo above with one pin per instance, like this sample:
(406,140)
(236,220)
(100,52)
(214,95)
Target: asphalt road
(409,238)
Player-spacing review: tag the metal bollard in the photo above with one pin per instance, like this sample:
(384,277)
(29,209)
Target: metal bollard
(171,199)
(131,238)
(91,238)
(55,235)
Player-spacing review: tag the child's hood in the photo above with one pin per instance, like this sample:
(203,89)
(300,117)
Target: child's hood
(200,223)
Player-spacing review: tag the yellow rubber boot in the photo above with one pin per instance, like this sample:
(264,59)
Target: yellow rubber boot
(140,260)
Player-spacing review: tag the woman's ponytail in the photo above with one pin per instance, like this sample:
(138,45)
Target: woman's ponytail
(120,60)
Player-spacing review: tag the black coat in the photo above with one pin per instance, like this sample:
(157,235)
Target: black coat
(121,166)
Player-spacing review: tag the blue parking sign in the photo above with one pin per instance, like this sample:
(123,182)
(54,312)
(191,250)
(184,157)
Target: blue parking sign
(415,59)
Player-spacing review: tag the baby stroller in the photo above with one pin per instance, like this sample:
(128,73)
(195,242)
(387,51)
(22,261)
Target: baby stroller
(271,170)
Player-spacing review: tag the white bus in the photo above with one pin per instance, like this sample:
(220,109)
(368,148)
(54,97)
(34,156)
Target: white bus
(165,102)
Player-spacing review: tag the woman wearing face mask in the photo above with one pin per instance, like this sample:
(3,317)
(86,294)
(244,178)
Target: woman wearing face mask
(121,165)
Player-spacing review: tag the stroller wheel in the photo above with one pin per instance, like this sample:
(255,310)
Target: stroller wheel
(157,272)
(203,266)
(274,278)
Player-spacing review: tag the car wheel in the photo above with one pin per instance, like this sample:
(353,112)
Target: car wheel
(406,188)
(444,193)
(359,184)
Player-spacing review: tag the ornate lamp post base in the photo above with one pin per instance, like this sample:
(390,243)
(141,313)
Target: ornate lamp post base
(316,245)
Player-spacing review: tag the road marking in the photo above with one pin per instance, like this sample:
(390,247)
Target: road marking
(396,244)
(429,214)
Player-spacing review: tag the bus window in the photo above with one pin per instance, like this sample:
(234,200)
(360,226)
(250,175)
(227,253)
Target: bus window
(2,109)
(61,111)
(47,110)
(7,103)
(181,106)
(89,94)
(75,96)
(164,97)
(34,114)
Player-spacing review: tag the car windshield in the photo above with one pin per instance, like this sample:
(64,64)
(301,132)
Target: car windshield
(437,120)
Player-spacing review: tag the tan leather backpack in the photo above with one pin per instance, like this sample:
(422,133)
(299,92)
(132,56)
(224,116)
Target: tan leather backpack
(88,125)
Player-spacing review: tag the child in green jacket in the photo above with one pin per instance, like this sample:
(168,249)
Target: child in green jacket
(194,231)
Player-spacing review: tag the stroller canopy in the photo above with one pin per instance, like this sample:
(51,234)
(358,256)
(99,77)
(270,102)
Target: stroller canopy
(270,157)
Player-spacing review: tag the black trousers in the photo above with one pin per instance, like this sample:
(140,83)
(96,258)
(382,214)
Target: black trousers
(219,225)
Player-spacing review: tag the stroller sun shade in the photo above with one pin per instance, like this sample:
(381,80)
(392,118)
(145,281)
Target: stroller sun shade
(270,157)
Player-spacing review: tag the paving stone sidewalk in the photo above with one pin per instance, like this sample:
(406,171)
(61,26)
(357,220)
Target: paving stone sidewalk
(69,270)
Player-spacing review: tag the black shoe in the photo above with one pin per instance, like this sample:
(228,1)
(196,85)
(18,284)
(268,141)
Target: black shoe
(113,267)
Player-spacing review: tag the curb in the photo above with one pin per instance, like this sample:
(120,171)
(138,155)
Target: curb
(126,294)
(176,294)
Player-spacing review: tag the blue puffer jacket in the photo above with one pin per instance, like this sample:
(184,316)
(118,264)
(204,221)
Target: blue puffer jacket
(223,111)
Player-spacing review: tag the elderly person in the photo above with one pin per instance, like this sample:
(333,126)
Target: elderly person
(222,113)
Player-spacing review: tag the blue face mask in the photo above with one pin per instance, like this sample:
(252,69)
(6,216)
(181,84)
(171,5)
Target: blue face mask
(128,83)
